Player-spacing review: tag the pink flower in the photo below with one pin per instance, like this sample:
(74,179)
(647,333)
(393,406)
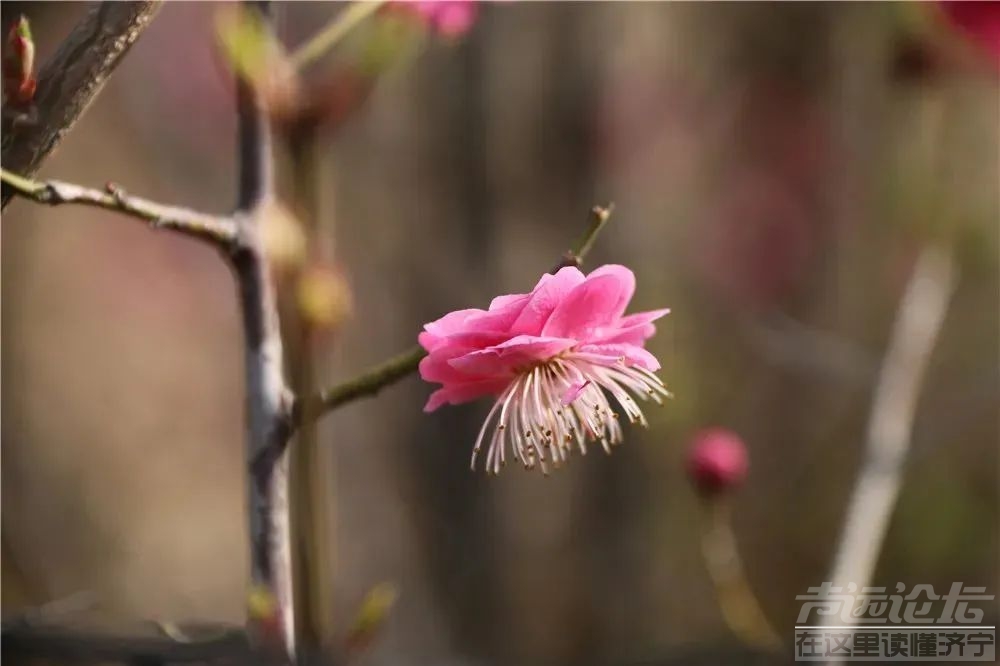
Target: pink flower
(451,18)
(548,357)
(717,461)
(979,19)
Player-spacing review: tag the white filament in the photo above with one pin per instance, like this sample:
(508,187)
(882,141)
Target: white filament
(531,417)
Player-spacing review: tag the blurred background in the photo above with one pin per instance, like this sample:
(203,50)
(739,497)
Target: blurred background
(776,169)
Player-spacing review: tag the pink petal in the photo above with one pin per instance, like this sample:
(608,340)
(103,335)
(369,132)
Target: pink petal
(455,18)
(454,395)
(428,340)
(589,306)
(544,298)
(504,358)
(453,322)
(634,329)
(504,310)
(573,392)
(508,300)
(633,354)
(502,313)
(435,366)
(643,317)
(437,399)
(626,284)
(465,340)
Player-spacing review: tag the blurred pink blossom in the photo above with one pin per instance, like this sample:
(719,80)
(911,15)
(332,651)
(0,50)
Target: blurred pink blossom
(717,460)
(548,356)
(761,236)
(451,18)
(979,20)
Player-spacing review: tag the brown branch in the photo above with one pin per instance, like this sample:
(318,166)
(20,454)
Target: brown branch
(218,230)
(599,216)
(366,384)
(71,79)
(268,398)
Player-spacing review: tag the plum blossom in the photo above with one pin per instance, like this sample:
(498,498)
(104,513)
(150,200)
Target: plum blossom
(717,461)
(451,18)
(551,358)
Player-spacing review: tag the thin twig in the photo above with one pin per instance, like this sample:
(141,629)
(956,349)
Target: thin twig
(918,323)
(599,216)
(345,21)
(70,80)
(309,466)
(391,371)
(739,606)
(219,230)
(367,384)
(267,395)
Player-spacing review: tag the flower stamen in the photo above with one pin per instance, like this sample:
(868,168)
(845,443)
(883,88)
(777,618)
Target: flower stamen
(543,428)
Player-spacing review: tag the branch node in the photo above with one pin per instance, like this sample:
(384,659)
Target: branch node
(116,192)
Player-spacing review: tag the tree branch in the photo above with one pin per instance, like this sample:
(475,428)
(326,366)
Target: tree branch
(918,323)
(71,79)
(367,384)
(391,371)
(599,216)
(268,398)
(218,230)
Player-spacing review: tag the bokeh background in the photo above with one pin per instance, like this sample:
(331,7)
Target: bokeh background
(776,169)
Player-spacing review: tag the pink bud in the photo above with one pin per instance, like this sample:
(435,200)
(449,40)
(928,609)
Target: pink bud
(19,64)
(717,461)
(450,18)
(980,21)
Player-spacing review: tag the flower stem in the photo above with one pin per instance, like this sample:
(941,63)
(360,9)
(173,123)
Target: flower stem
(599,216)
(739,606)
(368,383)
(334,31)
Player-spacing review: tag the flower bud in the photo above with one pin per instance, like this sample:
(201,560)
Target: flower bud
(979,21)
(256,56)
(283,237)
(717,461)
(372,616)
(19,64)
(448,18)
(323,296)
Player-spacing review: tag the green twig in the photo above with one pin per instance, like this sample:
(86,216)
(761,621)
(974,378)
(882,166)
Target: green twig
(331,33)
(388,372)
(599,216)
(740,608)
(218,230)
(366,384)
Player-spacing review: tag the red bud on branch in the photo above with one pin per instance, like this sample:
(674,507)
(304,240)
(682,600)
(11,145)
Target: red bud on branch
(19,64)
